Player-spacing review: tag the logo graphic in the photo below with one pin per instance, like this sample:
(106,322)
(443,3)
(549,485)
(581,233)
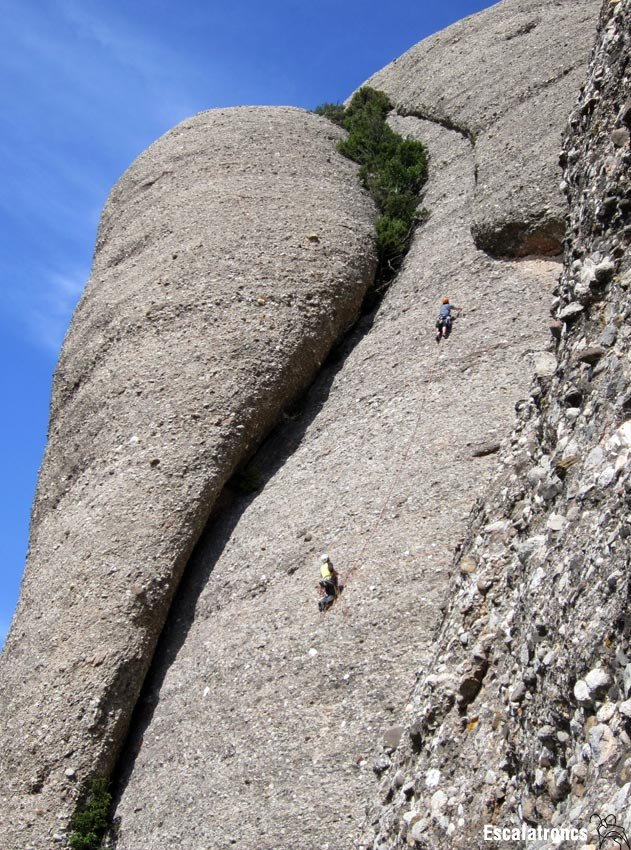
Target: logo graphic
(611,835)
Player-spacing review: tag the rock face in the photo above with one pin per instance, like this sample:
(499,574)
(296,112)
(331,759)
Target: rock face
(507,79)
(523,720)
(379,468)
(229,259)
(257,703)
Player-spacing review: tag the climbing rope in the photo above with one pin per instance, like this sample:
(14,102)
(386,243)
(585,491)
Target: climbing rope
(393,483)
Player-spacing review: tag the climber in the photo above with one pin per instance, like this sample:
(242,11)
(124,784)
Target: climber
(329,584)
(443,323)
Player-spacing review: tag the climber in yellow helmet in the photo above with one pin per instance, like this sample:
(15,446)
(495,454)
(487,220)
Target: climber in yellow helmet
(329,583)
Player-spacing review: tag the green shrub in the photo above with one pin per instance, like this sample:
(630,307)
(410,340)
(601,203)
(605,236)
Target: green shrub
(333,111)
(393,169)
(392,237)
(88,825)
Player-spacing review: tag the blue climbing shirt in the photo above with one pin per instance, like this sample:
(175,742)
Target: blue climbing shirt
(445,311)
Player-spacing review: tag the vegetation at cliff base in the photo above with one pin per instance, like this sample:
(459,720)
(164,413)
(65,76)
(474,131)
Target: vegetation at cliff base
(393,169)
(88,825)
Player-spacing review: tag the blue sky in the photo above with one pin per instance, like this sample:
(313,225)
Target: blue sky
(86,86)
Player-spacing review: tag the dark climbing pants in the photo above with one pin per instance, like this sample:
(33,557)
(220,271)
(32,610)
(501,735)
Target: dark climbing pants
(330,591)
(326,602)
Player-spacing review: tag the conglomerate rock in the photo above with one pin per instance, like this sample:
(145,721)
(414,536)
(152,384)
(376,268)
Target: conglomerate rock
(507,79)
(523,720)
(230,257)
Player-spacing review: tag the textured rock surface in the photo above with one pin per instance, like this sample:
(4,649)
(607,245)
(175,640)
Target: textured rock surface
(523,719)
(260,713)
(197,328)
(230,257)
(506,78)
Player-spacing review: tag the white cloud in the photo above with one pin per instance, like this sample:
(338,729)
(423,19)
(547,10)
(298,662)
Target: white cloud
(48,315)
(164,74)
(85,93)
(149,60)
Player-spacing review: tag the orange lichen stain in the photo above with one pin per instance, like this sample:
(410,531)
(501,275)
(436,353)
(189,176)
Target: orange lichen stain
(472,724)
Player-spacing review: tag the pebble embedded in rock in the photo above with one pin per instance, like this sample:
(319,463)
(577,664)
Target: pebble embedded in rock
(594,458)
(604,271)
(556,522)
(392,737)
(518,693)
(598,681)
(571,311)
(620,137)
(526,549)
(606,712)
(591,355)
(438,802)
(467,565)
(608,336)
(545,364)
(624,709)
(419,831)
(399,779)
(494,527)
(432,779)
(582,693)
(381,763)
(547,733)
(606,477)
